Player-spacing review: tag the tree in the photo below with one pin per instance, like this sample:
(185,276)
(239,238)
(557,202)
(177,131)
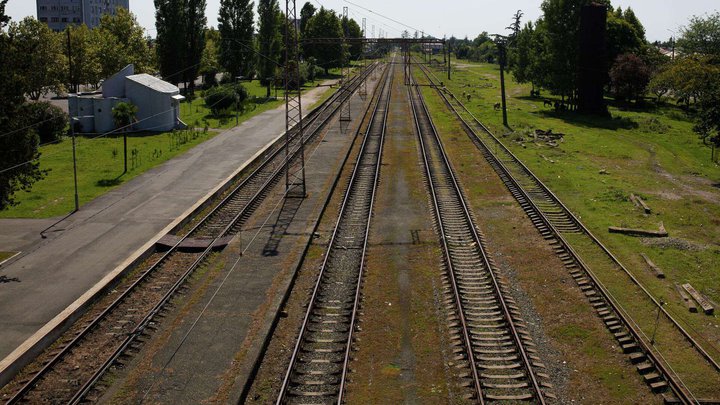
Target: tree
(521,55)
(19,164)
(4,19)
(352,30)
(325,24)
(236,30)
(702,36)
(515,27)
(124,115)
(661,83)
(122,41)
(561,25)
(269,40)
(195,24)
(630,77)
(171,46)
(708,124)
(306,13)
(622,36)
(41,61)
(85,56)
(209,64)
(51,122)
(180,26)
(691,77)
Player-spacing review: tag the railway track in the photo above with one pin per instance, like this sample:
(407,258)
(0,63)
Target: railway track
(499,351)
(319,363)
(70,370)
(554,220)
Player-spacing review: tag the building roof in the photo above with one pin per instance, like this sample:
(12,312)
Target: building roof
(154,83)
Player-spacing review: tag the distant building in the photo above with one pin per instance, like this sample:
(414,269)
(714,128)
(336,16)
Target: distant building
(58,14)
(158,103)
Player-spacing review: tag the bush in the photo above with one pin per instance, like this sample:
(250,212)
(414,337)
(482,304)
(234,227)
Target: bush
(221,98)
(630,77)
(53,121)
(124,115)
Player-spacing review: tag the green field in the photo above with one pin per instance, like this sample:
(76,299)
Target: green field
(100,169)
(650,152)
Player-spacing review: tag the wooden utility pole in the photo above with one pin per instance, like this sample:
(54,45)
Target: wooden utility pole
(503,60)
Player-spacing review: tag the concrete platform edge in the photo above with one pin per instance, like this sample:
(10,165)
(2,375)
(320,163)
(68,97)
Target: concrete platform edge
(51,331)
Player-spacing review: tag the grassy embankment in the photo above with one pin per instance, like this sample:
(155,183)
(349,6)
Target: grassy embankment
(651,152)
(100,158)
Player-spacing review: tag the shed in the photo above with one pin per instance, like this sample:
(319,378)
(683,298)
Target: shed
(158,102)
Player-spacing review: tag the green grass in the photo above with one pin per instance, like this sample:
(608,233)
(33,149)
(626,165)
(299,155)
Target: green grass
(100,169)
(6,255)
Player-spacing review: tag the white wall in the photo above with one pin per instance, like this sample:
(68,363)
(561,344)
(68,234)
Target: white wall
(155,109)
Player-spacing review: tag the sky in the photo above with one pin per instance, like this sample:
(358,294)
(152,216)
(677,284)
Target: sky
(447,17)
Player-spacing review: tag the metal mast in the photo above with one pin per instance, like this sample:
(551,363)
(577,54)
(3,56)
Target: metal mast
(294,179)
(345,109)
(363,86)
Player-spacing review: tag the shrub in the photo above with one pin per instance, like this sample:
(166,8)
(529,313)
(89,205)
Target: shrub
(221,98)
(53,121)
(124,114)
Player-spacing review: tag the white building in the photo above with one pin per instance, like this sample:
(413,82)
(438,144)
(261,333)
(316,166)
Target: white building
(158,103)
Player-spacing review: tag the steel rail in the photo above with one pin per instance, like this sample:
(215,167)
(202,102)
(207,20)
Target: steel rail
(466,212)
(703,352)
(139,329)
(174,249)
(678,387)
(282,396)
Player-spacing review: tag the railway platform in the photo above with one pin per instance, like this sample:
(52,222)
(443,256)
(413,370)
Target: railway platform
(86,251)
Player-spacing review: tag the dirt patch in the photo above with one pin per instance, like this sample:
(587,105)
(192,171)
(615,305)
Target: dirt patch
(668,195)
(690,185)
(673,243)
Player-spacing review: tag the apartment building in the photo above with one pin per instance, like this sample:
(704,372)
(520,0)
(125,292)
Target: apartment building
(57,14)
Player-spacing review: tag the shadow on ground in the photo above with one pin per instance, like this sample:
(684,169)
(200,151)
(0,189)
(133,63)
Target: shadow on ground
(590,121)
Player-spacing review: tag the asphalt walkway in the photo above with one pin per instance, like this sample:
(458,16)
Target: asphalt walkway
(89,246)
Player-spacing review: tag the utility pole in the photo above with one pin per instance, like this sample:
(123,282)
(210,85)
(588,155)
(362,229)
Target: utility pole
(363,86)
(447,52)
(72,134)
(345,114)
(70,69)
(125,149)
(500,41)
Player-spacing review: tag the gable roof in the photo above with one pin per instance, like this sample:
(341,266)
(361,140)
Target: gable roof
(154,83)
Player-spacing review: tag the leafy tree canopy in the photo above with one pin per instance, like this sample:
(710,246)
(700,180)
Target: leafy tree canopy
(237,53)
(702,36)
(39,57)
(325,24)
